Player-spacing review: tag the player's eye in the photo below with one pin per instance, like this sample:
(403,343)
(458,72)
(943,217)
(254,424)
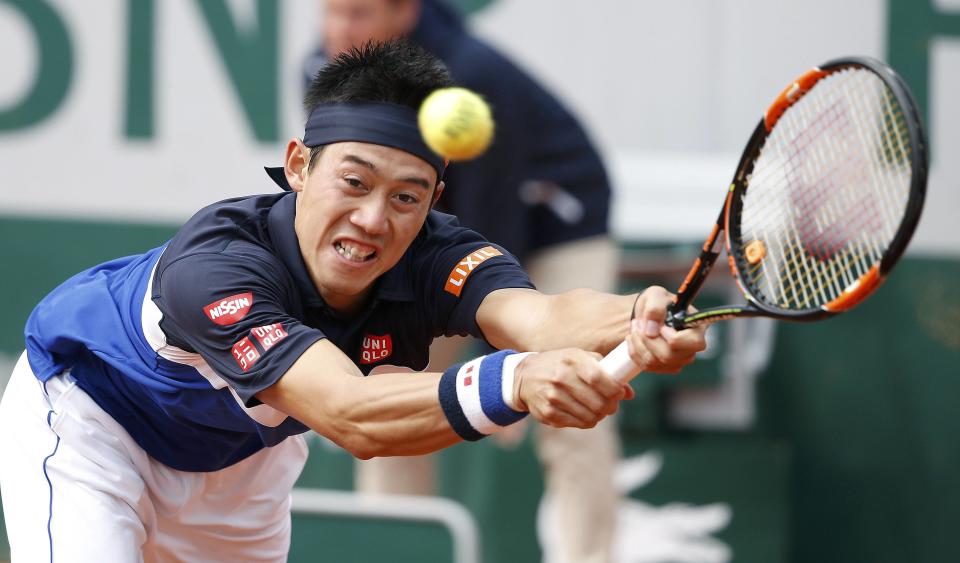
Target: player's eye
(408,199)
(353,181)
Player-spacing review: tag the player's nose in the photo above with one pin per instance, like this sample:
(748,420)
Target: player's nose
(371,215)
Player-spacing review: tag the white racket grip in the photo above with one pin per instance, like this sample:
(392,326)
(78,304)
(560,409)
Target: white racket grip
(618,365)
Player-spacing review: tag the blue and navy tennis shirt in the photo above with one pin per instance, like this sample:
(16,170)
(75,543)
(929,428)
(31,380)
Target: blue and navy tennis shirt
(175,343)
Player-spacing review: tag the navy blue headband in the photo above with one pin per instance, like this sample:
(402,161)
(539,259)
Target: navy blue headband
(390,125)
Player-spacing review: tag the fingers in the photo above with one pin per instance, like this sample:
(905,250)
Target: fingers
(587,397)
(669,356)
(636,345)
(651,309)
(656,347)
(561,410)
(690,339)
(594,380)
(669,351)
(566,388)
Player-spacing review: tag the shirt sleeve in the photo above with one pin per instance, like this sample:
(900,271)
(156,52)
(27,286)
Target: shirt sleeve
(237,313)
(461,268)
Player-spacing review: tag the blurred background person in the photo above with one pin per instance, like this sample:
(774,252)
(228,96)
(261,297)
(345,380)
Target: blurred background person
(542,192)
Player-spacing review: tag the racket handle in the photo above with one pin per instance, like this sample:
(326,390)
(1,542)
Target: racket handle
(618,365)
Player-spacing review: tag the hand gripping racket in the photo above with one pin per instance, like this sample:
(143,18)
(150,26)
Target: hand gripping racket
(825,199)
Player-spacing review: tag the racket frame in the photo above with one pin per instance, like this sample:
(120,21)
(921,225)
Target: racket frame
(724,233)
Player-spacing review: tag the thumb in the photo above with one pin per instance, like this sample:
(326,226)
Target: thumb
(518,372)
(653,316)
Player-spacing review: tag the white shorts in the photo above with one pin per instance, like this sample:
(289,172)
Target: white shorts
(76,487)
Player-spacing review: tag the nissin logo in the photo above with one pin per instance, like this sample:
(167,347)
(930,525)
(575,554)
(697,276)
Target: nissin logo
(229,309)
(458,276)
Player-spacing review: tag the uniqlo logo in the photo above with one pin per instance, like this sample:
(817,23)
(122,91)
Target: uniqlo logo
(269,335)
(468,380)
(458,276)
(229,310)
(245,353)
(375,348)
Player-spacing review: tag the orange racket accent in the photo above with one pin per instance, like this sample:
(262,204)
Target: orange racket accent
(690,274)
(860,290)
(790,95)
(726,219)
(711,239)
(733,266)
(755,252)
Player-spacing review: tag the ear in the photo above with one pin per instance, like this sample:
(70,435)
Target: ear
(437,192)
(296,164)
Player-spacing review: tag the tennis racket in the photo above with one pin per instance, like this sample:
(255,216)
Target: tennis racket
(825,199)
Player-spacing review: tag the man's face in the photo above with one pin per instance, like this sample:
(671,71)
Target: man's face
(358,210)
(351,23)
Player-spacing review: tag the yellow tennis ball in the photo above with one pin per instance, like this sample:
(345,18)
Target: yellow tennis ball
(456,123)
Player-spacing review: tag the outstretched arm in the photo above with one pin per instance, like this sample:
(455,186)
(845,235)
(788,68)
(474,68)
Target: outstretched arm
(401,414)
(525,319)
(387,414)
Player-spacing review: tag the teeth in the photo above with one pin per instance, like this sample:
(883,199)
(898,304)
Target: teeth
(351,252)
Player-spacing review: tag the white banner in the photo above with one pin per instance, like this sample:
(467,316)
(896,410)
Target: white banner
(669,90)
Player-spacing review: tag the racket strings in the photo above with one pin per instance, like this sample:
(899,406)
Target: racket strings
(827,192)
(841,277)
(797,283)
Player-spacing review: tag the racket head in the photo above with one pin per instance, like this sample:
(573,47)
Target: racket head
(828,192)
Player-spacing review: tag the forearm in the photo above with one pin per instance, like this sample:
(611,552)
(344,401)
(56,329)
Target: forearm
(581,318)
(380,415)
(397,413)
(525,319)
(409,414)
(587,319)
(393,414)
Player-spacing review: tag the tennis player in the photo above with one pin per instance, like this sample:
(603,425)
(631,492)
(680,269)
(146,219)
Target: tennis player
(157,411)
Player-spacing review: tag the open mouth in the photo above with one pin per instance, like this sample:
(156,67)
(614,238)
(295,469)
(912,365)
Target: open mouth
(354,251)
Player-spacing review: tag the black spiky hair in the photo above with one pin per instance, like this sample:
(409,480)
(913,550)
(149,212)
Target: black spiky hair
(395,71)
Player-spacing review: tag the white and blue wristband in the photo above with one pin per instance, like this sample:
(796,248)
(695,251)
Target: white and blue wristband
(477,397)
